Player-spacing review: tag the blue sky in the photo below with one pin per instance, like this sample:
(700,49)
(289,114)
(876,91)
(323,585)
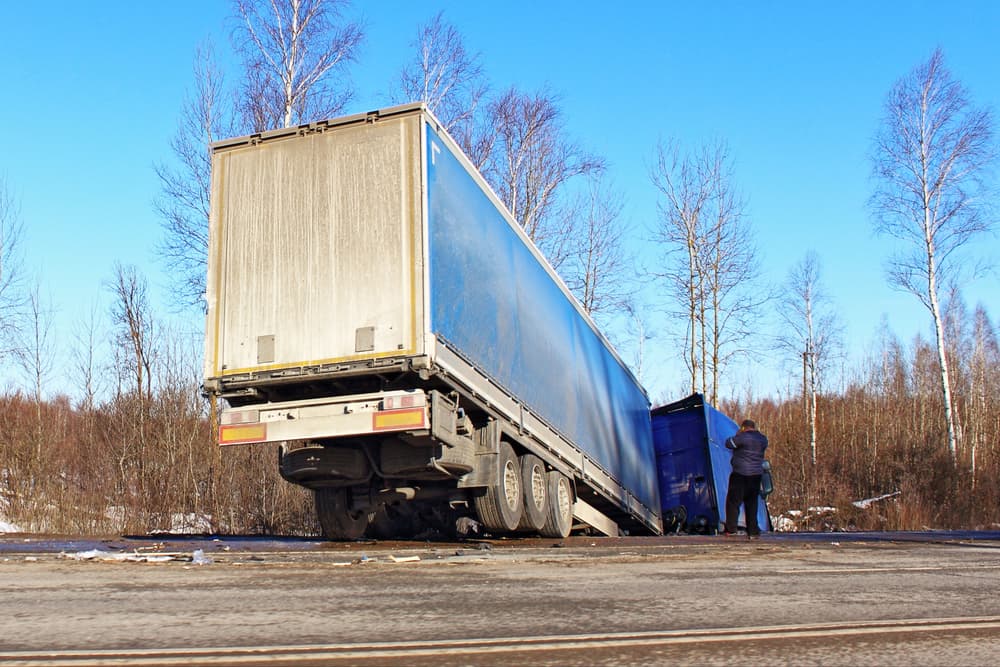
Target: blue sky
(93,91)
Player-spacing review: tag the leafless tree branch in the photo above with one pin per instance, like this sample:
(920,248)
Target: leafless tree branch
(450,80)
(710,265)
(531,163)
(597,266)
(183,204)
(12,297)
(291,51)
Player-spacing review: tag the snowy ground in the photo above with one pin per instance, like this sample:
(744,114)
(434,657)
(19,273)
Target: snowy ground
(7,527)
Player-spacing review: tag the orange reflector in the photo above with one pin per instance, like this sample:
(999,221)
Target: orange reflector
(239,434)
(398,419)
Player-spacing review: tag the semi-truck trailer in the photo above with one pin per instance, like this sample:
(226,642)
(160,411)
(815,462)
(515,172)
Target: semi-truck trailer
(376,314)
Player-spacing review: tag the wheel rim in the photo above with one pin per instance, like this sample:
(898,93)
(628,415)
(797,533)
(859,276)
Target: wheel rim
(511,489)
(564,499)
(538,487)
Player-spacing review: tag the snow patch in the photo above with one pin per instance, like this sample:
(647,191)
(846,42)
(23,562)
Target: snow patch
(7,527)
(785,524)
(867,502)
(188,524)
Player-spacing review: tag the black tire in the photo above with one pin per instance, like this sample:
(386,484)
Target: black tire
(534,482)
(335,517)
(559,508)
(500,508)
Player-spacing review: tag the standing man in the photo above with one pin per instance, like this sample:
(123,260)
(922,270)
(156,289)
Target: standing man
(748,447)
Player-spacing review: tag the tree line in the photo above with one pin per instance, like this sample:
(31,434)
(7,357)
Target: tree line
(147,460)
(912,423)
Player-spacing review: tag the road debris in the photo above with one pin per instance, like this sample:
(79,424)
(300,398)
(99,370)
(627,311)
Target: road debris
(404,559)
(197,558)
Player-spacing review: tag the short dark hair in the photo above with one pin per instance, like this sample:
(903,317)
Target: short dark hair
(749,423)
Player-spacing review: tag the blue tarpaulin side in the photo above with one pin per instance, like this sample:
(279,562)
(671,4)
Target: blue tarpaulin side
(496,304)
(693,464)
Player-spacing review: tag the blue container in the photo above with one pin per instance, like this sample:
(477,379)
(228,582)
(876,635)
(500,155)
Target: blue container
(693,466)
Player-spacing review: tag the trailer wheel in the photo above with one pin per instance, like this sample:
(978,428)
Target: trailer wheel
(559,508)
(534,482)
(500,508)
(335,516)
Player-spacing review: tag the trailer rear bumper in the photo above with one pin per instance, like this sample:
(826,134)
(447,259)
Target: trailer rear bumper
(318,419)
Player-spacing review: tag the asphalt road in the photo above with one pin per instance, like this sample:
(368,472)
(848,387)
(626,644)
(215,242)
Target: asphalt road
(793,599)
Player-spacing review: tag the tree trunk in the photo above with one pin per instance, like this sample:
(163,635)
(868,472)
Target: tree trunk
(949,413)
(935,308)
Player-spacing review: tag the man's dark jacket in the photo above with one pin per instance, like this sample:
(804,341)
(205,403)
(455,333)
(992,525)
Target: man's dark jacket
(748,452)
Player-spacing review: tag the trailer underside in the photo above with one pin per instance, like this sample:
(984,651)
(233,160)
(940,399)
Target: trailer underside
(460,465)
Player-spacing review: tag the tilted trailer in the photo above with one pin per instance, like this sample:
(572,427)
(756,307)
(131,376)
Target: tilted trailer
(377,316)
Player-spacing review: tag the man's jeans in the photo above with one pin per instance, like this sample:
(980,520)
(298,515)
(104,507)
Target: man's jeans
(743,490)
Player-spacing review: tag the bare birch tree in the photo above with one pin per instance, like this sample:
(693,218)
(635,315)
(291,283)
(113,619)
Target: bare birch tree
(35,355)
(134,350)
(11,295)
(930,157)
(710,262)
(732,273)
(292,51)
(685,185)
(450,80)
(84,362)
(135,332)
(811,330)
(183,205)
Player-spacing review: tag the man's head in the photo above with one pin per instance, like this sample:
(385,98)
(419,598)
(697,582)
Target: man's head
(748,425)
